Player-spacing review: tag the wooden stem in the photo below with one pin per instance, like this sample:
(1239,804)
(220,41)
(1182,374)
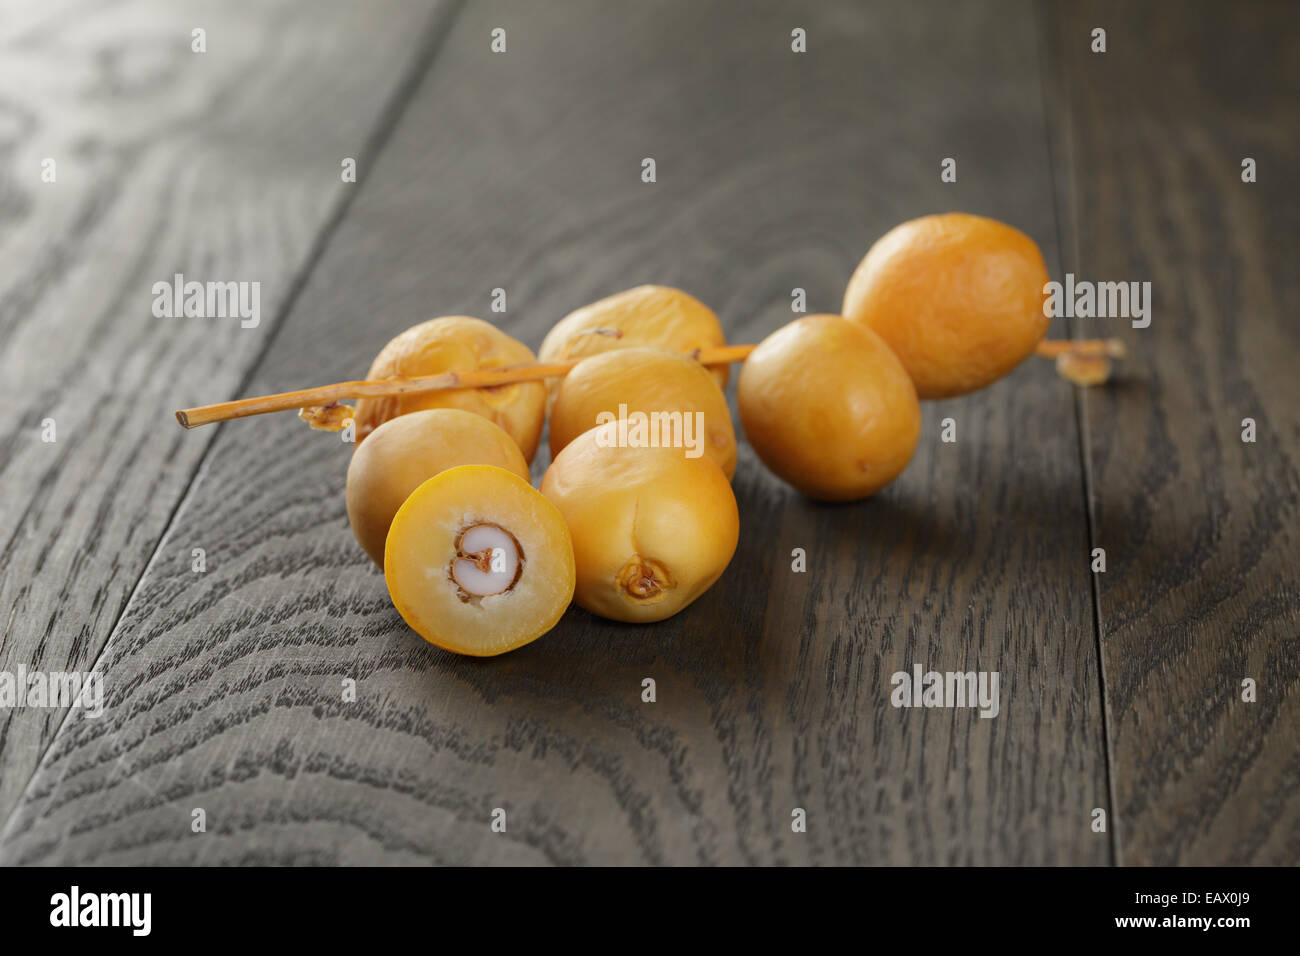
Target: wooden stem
(380,388)
(1051,348)
(491,377)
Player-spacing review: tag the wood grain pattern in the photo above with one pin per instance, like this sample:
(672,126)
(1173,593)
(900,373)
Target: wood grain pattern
(222,166)
(522,171)
(1200,529)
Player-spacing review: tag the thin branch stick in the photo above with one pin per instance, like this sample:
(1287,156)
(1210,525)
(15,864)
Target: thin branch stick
(1051,348)
(380,388)
(491,377)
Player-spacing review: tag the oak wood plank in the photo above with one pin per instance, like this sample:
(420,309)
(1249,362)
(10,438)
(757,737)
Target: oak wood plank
(221,165)
(522,171)
(1201,530)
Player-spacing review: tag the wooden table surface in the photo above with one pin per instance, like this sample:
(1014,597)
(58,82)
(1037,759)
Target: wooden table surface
(1121,691)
